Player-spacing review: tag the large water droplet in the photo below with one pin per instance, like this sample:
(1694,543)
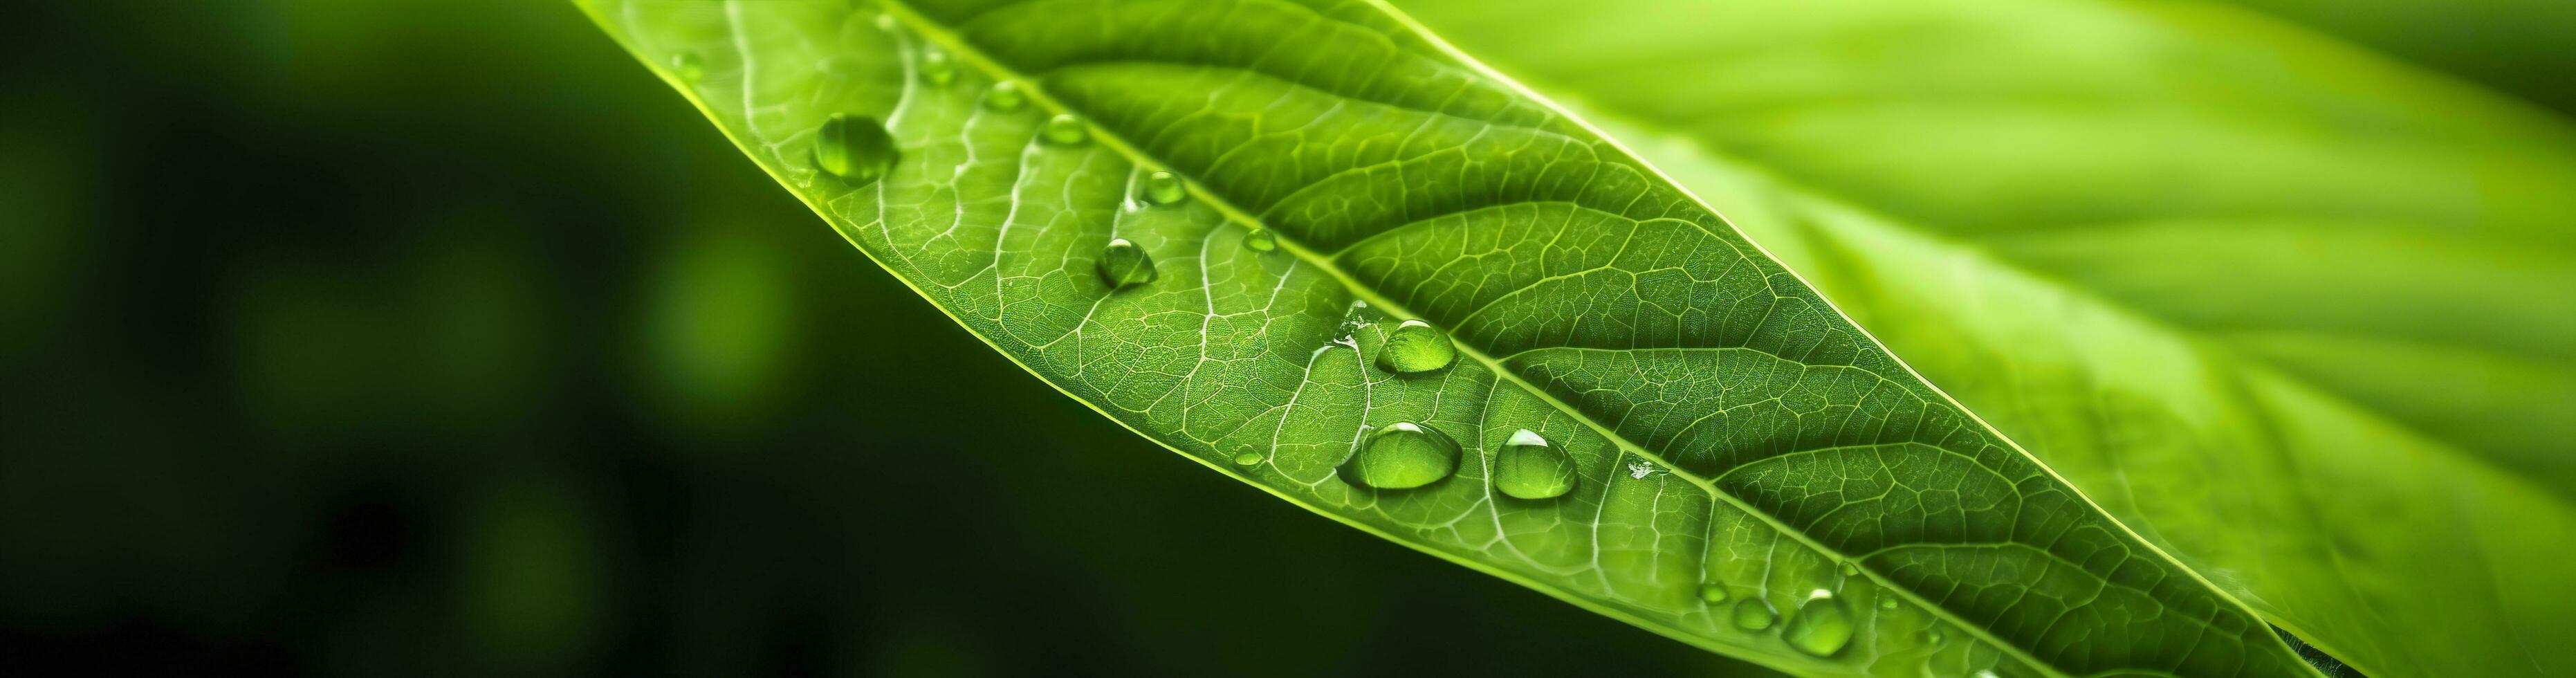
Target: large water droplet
(1530,468)
(688,66)
(1064,129)
(936,67)
(1712,592)
(1123,264)
(1260,240)
(1005,96)
(1415,347)
(1247,458)
(1821,627)
(1403,456)
(1851,569)
(855,148)
(1164,188)
(1754,614)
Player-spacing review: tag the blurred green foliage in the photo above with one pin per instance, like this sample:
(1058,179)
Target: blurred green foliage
(432,337)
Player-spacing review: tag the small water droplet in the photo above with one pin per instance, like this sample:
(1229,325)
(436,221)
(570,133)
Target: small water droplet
(1530,468)
(1123,264)
(1821,626)
(855,148)
(1415,347)
(1712,592)
(1851,569)
(1754,614)
(1932,636)
(1260,240)
(1403,456)
(1064,130)
(688,66)
(885,21)
(936,67)
(1164,188)
(1985,673)
(1005,96)
(1247,458)
(1887,602)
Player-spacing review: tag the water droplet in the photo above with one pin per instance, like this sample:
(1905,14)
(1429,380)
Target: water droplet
(853,147)
(1887,602)
(1247,458)
(1065,130)
(1932,636)
(1712,593)
(1123,264)
(1260,240)
(1005,96)
(1985,673)
(1639,470)
(688,66)
(1416,347)
(1530,468)
(1404,455)
(1821,627)
(1753,614)
(1851,569)
(885,21)
(1164,188)
(936,67)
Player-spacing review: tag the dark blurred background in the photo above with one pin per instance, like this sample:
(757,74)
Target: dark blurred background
(435,337)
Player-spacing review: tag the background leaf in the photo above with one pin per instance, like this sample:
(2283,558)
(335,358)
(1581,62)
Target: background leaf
(2285,307)
(1731,430)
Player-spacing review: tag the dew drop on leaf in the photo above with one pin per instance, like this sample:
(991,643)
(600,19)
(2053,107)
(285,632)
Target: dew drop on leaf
(1247,458)
(1005,96)
(1932,636)
(1887,602)
(1753,614)
(936,67)
(1260,240)
(1712,592)
(1164,188)
(1820,627)
(1851,569)
(688,66)
(1064,130)
(855,148)
(1530,468)
(1416,347)
(1122,264)
(1404,456)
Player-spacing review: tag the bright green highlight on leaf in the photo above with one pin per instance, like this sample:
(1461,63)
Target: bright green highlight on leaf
(1725,424)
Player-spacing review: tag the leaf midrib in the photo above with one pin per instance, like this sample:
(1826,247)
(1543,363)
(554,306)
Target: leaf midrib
(971,55)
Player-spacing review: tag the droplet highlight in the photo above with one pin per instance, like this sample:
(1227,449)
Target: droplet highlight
(1933,636)
(1123,264)
(1712,593)
(936,67)
(855,148)
(1416,347)
(688,66)
(1530,468)
(1887,602)
(1753,614)
(1821,626)
(1164,188)
(1005,96)
(1260,240)
(1064,129)
(1404,456)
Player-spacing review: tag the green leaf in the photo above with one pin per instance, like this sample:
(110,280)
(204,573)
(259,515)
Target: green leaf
(1742,451)
(2296,313)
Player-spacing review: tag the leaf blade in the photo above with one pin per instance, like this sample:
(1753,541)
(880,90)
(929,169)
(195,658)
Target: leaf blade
(1317,142)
